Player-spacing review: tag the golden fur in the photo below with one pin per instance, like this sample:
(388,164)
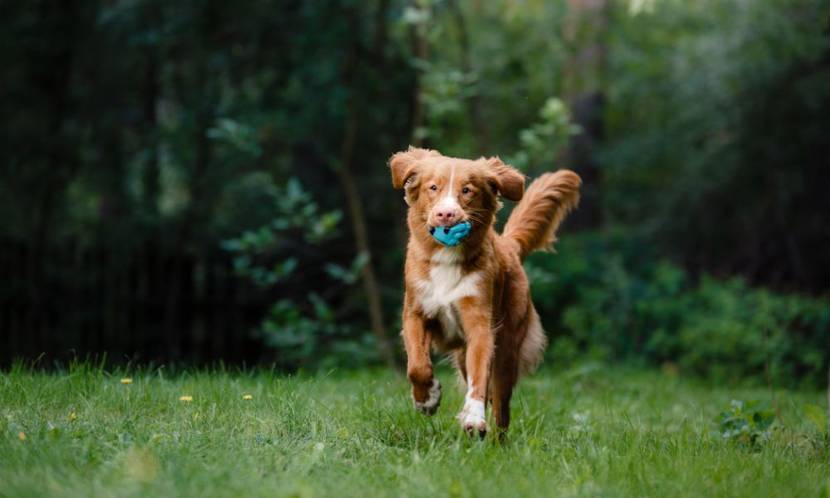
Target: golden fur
(473,301)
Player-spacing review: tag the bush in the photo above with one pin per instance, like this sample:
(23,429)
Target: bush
(604,296)
(310,330)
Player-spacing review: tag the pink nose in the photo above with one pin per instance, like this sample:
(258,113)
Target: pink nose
(446,215)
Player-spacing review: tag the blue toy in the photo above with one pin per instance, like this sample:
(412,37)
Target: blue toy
(451,236)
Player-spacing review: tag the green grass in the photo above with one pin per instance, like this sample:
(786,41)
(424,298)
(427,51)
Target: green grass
(589,431)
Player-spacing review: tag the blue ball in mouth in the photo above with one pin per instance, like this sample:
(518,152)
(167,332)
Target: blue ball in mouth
(451,236)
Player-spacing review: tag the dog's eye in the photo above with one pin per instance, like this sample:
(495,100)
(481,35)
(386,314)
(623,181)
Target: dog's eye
(433,187)
(465,190)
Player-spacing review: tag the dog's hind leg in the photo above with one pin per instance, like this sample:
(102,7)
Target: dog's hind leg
(504,378)
(519,350)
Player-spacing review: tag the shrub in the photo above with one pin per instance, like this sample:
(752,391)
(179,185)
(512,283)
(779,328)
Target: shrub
(305,330)
(745,423)
(606,296)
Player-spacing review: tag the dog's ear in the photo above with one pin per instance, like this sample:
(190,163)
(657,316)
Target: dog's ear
(404,165)
(506,180)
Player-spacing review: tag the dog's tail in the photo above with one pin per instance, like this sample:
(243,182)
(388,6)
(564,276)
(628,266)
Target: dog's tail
(533,222)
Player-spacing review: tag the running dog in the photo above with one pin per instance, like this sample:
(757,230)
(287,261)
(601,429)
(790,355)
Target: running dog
(466,293)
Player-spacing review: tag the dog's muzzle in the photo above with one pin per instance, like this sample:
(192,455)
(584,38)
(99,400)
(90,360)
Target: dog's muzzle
(451,236)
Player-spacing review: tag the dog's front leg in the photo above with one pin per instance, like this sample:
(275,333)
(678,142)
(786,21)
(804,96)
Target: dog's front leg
(475,318)
(426,390)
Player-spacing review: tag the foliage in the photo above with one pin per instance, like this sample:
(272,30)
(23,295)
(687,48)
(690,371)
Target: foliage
(615,303)
(296,220)
(715,134)
(490,67)
(314,339)
(138,135)
(305,333)
(596,431)
(745,424)
(544,140)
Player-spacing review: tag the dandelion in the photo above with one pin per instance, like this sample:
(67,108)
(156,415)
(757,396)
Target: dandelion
(21,436)
(126,380)
(186,399)
(247,397)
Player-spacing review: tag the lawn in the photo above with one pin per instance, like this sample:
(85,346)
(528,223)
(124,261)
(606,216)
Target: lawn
(587,431)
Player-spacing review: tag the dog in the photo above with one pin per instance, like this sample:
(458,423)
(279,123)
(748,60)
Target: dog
(472,300)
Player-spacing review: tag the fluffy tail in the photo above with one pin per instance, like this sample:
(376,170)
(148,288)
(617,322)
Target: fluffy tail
(534,221)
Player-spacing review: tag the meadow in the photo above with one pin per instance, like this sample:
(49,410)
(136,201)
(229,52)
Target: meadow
(587,431)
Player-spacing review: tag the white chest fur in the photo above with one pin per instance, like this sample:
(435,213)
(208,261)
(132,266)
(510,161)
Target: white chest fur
(447,283)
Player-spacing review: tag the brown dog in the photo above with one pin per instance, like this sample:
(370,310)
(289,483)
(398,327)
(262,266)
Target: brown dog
(473,300)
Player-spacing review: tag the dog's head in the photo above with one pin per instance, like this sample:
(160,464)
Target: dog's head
(444,191)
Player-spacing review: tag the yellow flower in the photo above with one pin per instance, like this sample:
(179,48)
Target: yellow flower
(21,436)
(186,398)
(247,397)
(72,416)
(126,380)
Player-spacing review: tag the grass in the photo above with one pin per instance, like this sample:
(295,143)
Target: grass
(585,432)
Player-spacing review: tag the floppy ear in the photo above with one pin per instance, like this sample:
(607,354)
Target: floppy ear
(404,165)
(506,179)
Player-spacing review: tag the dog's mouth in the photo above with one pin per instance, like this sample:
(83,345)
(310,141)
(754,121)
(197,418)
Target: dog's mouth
(451,236)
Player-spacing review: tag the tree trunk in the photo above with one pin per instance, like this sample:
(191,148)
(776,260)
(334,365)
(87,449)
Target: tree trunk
(419,49)
(585,28)
(53,77)
(474,109)
(361,237)
(354,201)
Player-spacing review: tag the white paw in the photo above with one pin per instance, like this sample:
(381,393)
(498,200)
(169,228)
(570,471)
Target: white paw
(472,417)
(429,406)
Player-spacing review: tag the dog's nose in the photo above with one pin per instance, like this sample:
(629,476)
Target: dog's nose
(446,215)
